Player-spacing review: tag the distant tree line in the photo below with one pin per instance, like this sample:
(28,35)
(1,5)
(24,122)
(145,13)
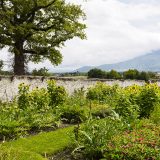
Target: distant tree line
(41,72)
(129,74)
(2,72)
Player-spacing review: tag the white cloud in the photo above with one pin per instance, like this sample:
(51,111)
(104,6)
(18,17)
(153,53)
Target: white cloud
(117,30)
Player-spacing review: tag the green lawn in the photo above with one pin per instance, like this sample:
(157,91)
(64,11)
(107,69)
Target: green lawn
(36,146)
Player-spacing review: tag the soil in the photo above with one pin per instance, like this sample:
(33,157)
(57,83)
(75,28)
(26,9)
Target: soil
(66,155)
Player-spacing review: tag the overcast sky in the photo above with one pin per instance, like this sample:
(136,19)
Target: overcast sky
(117,30)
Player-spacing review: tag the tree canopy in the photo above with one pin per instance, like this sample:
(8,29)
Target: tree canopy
(34,30)
(129,74)
(1,65)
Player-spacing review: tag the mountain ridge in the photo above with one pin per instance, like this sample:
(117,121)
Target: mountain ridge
(147,62)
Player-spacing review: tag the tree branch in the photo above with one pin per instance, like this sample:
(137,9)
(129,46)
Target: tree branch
(43,29)
(30,16)
(46,6)
(2,5)
(33,52)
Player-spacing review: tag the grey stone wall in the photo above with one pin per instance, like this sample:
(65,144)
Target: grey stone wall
(9,84)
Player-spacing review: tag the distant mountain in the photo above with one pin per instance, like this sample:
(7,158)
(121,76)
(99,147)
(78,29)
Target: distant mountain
(148,62)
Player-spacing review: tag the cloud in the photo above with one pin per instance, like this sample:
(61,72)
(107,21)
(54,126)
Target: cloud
(117,30)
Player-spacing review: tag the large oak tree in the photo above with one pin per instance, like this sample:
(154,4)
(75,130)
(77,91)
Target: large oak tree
(34,30)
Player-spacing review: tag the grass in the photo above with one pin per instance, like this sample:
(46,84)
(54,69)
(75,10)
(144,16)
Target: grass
(36,147)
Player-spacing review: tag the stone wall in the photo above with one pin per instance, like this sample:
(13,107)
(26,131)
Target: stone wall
(9,84)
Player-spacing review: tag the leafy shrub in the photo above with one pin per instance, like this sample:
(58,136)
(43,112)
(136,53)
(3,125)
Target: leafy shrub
(10,129)
(102,93)
(57,94)
(155,114)
(101,111)
(38,99)
(148,98)
(92,137)
(77,98)
(125,108)
(34,110)
(11,124)
(138,144)
(23,96)
(41,98)
(73,114)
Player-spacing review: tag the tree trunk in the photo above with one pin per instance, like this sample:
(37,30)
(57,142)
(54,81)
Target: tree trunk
(19,66)
(19,58)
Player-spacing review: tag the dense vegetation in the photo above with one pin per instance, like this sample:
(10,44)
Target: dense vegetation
(35,30)
(130,74)
(111,122)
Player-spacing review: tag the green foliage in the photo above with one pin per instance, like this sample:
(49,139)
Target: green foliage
(130,102)
(113,75)
(40,72)
(144,76)
(155,114)
(92,137)
(11,124)
(135,74)
(121,134)
(34,110)
(102,93)
(57,94)
(152,74)
(23,96)
(96,73)
(77,98)
(131,74)
(126,109)
(101,111)
(34,30)
(125,103)
(138,144)
(73,114)
(148,98)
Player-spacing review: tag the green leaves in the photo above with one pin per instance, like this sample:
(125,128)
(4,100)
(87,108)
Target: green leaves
(94,136)
(39,28)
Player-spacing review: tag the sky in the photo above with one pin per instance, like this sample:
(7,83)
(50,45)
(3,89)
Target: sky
(117,30)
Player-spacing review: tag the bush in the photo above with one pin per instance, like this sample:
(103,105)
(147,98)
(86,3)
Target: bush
(92,138)
(101,111)
(23,96)
(77,98)
(126,107)
(138,144)
(57,94)
(97,73)
(73,114)
(34,110)
(148,98)
(155,115)
(102,93)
